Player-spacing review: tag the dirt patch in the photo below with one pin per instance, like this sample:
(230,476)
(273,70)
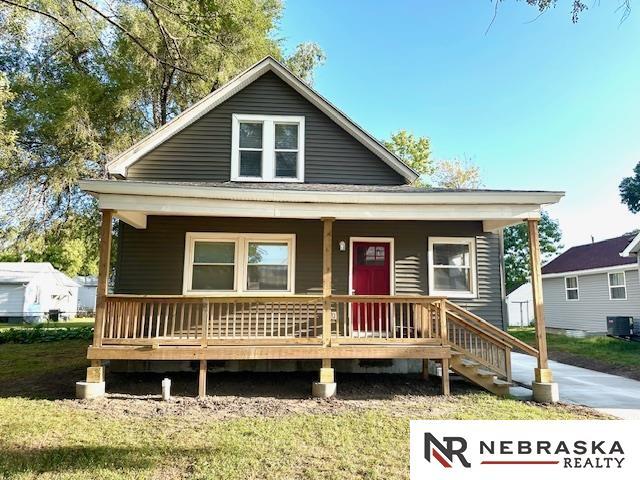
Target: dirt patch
(594,364)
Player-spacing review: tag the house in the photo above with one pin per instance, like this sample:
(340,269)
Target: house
(588,283)
(520,306)
(87,294)
(264,224)
(28,291)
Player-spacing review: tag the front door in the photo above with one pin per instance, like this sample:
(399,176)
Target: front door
(371,275)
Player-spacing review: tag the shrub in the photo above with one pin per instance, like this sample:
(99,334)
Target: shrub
(42,335)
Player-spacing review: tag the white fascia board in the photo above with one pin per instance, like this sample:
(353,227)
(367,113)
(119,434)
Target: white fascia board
(135,219)
(367,198)
(119,165)
(632,248)
(592,271)
(152,205)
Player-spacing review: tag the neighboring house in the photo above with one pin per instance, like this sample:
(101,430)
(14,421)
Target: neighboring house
(588,283)
(28,291)
(87,294)
(520,306)
(263,224)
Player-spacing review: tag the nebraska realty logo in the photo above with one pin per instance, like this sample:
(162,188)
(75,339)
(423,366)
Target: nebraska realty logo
(528,449)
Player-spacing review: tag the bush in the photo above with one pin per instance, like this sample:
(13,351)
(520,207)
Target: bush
(42,335)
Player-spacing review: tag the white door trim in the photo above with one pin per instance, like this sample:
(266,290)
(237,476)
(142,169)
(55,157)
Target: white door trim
(390,241)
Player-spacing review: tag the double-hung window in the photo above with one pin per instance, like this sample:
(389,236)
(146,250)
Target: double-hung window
(452,267)
(267,148)
(571,288)
(223,263)
(617,286)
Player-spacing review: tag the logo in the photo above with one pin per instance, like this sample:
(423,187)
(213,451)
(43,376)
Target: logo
(455,447)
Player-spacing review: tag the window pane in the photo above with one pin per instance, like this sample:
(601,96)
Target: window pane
(267,277)
(616,279)
(250,163)
(250,135)
(286,136)
(450,254)
(456,279)
(618,292)
(214,252)
(370,255)
(287,164)
(212,277)
(571,282)
(572,294)
(261,253)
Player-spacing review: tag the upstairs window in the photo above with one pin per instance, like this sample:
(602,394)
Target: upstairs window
(617,286)
(571,288)
(267,148)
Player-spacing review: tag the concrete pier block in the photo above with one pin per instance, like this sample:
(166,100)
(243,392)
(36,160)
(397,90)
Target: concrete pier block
(544,392)
(323,390)
(90,390)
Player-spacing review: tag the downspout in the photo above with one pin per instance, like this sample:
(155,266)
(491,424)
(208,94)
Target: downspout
(503,293)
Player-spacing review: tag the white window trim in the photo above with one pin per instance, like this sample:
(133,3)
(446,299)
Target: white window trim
(241,241)
(566,289)
(624,284)
(268,147)
(392,262)
(471,241)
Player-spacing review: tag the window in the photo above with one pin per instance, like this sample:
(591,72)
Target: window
(238,263)
(267,148)
(617,286)
(452,270)
(571,288)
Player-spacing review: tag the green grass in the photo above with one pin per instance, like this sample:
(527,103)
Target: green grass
(73,323)
(605,349)
(63,439)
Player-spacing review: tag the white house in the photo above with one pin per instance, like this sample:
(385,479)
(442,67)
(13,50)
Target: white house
(87,294)
(520,306)
(28,291)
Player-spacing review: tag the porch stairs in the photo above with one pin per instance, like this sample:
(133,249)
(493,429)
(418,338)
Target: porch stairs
(481,352)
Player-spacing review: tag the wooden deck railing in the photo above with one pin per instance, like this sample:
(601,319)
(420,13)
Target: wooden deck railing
(175,320)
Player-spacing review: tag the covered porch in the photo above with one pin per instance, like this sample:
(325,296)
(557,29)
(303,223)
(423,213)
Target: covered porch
(325,325)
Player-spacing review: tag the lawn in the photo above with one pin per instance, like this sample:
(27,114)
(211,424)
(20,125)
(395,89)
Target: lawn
(600,353)
(73,323)
(362,434)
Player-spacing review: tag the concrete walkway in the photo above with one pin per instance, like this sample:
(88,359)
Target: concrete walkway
(609,394)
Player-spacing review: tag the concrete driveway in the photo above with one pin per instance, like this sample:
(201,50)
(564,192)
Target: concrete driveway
(610,394)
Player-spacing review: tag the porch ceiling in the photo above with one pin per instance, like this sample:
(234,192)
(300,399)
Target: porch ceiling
(133,201)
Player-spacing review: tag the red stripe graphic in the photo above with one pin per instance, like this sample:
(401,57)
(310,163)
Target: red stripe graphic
(519,462)
(440,458)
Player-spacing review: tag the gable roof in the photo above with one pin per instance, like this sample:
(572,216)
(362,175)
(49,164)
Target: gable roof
(25,272)
(605,253)
(118,166)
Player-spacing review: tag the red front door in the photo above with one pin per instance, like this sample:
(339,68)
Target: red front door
(370,276)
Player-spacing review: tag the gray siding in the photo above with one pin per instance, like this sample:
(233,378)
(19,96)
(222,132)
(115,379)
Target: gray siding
(202,151)
(151,261)
(589,313)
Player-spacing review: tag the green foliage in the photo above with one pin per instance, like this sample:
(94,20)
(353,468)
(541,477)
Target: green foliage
(516,249)
(413,151)
(630,190)
(86,79)
(44,335)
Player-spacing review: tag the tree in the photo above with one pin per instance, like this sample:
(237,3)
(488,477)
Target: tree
(413,151)
(89,78)
(516,249)
(576,9)
(630,190)
(457,174)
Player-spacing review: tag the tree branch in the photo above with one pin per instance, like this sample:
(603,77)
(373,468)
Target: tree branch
(43,13)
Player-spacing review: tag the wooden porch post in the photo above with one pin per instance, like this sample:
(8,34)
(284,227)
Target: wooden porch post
(543,374)
(103,275)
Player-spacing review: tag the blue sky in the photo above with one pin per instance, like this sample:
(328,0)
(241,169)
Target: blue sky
(541,104)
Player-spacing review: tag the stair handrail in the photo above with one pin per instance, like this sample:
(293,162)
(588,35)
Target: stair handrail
(491,330)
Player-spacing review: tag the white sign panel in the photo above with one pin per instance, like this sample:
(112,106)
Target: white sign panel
(522,450)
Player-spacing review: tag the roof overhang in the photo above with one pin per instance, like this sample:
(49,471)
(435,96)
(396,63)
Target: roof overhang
(132,202)
(633,248)
(119,165)
(592,271)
